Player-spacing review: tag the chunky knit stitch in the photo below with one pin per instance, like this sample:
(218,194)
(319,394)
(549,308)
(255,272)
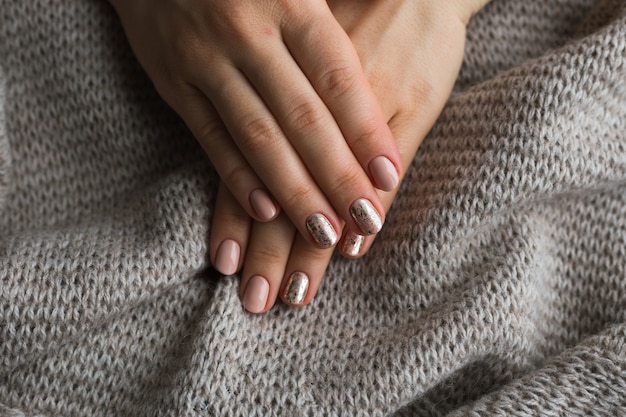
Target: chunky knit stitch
(496,288)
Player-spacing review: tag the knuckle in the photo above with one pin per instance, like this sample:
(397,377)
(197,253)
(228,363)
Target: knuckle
(184,48)
(368,135)
(338,81)
(187,51)
(239,15)
(312,254)
(240,219)
(297,197)
(305,117)
(236,220)
(209,132)
(290,12)
(236,22)
(422,95)
(257,134)
(267,254)
(349,180)
(236,176)
(289,7)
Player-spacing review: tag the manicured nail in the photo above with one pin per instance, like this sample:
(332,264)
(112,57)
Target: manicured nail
(296,288)
(384,173)
(321,230)
(366,216)
(227,259)
(262,204)
(352,244)
(255,297)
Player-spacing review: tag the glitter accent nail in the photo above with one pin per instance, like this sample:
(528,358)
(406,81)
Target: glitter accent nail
(366,216)
(296,288)
(352,244)
(321,230)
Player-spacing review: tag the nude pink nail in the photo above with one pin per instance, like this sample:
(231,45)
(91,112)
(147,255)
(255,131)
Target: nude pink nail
(262,204)
(227,259)
(384,173)
(255,297)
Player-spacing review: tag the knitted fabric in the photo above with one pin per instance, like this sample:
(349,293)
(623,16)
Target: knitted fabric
(496,288)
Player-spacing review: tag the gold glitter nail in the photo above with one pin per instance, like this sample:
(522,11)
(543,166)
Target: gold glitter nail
(352,244)
(321,230)
(366,216)
(296,288)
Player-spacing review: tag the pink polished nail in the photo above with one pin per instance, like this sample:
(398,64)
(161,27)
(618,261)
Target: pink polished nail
(384,173)
(255,297)
(227,259)
(262,204)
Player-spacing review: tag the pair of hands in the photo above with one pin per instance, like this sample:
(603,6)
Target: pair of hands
(315,108)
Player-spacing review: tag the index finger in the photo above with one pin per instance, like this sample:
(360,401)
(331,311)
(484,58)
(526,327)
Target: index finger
(327,57)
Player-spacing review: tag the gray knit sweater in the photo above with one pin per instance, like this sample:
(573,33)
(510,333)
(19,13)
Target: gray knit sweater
(496,288)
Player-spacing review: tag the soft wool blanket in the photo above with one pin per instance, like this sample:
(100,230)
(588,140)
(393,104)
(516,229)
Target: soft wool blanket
(496,288)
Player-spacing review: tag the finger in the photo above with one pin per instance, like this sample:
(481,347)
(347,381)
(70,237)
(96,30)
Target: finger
(278,165)
(201,117)
(268,251)
(410,129)
(409,133)
(312,131)
(304,272)
(230,229)
(332,65)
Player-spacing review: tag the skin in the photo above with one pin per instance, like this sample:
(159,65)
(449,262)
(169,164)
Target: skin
(299,99)
(411,52)
(269,88)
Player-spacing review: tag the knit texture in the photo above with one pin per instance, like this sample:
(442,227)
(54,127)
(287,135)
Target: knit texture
(496,288)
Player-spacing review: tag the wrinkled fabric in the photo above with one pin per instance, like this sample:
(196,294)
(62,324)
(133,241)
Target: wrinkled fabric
(496,288)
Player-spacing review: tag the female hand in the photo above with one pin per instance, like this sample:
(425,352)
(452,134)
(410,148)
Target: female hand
(274,92)
(411,51)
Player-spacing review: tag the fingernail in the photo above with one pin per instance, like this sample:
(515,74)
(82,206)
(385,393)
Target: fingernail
(255,297)
(262,204)
(384,173)
(321,230)
(366,216)
(227,259)
(296,288)
(352,244)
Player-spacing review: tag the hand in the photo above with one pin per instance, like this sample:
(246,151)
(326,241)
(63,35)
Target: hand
(411,51)
(274,92)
